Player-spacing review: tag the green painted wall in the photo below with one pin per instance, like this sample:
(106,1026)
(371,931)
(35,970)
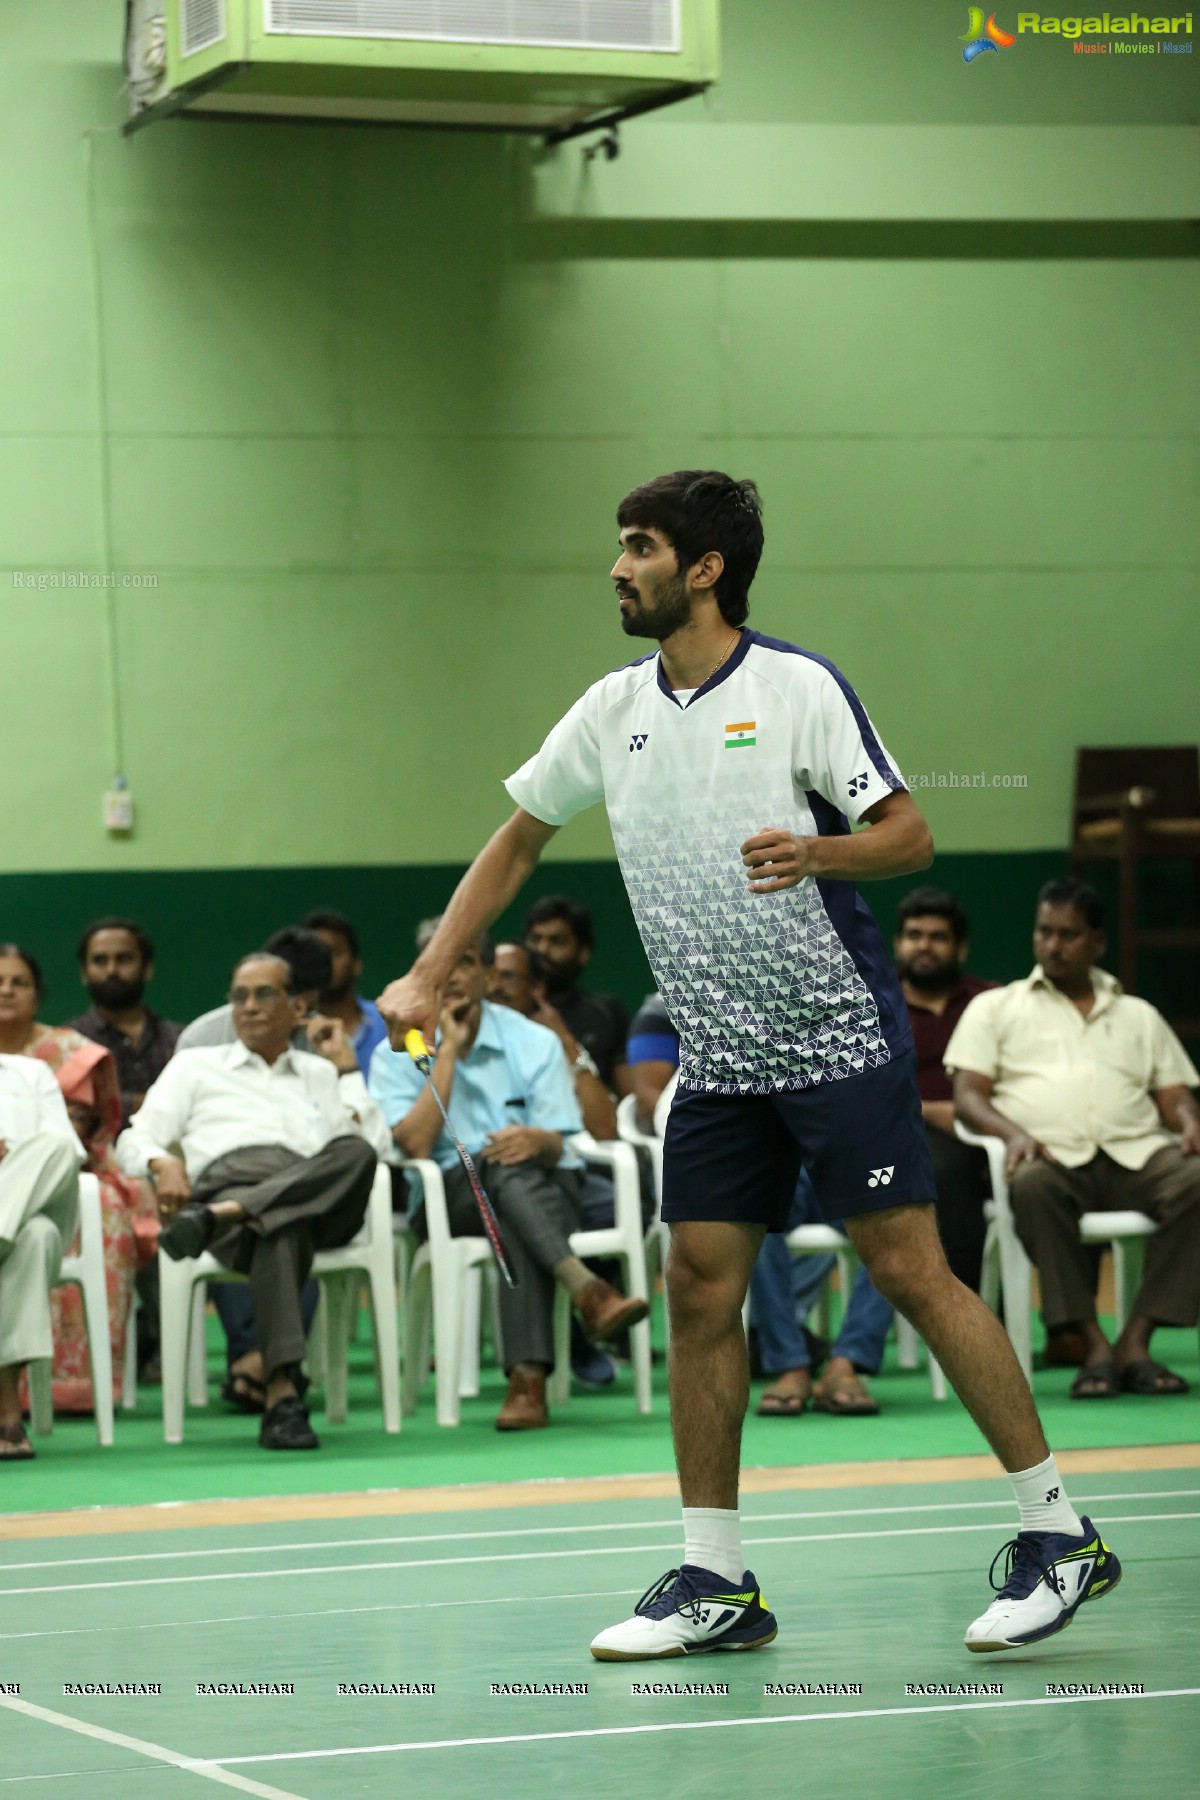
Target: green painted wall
(364,421)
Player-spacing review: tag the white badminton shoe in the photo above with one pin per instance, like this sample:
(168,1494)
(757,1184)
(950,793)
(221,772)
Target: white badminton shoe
(687,1612)
(1048,1576)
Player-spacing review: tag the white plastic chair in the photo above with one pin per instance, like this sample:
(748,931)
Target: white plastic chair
(446,1277)
(657,1237)
(1007,1269)
(181,1305)
(84,1270)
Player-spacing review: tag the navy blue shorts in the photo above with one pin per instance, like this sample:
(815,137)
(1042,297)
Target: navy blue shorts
(738,1156)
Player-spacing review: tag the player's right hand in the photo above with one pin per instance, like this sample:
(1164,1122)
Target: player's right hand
(410,1001)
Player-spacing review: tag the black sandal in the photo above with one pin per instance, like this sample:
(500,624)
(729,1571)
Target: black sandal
(244,1393)
(22,1450)
(1149,1377)
(1096,1381)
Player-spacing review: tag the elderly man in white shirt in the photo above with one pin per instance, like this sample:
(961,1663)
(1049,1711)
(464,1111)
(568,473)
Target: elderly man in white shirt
(40,1158)
(1090,1089)
(279,1148)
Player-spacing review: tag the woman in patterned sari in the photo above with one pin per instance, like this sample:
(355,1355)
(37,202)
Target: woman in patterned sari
(87,1075)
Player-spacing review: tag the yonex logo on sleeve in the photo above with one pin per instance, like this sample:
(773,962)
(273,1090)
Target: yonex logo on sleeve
(881,1177)
(858,783)
(638,740)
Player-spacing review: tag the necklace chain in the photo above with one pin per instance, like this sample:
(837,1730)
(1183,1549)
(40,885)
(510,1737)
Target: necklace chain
(722,658)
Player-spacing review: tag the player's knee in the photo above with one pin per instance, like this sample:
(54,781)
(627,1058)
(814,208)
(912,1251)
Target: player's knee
(696,1292)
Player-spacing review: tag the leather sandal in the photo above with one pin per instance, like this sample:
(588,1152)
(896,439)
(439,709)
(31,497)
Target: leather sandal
(1149,1377)
(1096,1381)
(22,1450)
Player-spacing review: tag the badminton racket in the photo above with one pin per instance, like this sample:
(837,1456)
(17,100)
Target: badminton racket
(417,1048)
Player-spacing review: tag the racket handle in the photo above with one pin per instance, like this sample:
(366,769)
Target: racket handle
(416,1046)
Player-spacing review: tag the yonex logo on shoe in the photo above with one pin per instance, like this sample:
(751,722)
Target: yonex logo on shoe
(881,1177)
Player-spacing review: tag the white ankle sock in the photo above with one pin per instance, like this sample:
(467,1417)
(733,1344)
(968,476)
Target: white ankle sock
(1043,1499)
(712,1539)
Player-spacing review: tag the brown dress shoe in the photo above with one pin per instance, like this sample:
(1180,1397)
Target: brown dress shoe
(524,1407)
(605,1314)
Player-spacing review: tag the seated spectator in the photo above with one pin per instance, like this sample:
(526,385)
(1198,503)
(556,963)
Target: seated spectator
(40,1157)
(341,1000)
(1086,1084)
(87,1078)
(116,964)
(560,932)
(931,946)
(652,1055)
(505,1084)
(308,957)
(279,1151)
(519,981)
(781,1292)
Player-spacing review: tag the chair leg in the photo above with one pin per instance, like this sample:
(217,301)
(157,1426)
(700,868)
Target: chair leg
(41,1401)
(197,1350)
(472,1312)
(908,1355)
(316,1352)
(417,1297)
(447,1337)
(176,1305)
(1016,1284)
(387,1340)
(95,1312)
(937,1378)
(1127,1275)
(989,1274)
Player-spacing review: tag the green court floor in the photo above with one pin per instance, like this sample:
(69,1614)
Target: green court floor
(597,1434)
(872,1589)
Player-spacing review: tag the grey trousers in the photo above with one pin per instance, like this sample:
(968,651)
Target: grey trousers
(295,1205)
(39,1216)
(537,1209)
(1047,1200)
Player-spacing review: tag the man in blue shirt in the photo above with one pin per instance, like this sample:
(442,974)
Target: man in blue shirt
(505,1084)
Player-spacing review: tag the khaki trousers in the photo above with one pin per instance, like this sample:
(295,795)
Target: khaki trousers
(39,1216)
(1047,1200)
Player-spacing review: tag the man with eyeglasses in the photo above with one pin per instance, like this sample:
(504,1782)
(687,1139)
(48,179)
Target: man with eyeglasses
(279,1149)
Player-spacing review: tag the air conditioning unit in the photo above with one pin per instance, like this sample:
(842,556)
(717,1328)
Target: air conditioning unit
(554,67)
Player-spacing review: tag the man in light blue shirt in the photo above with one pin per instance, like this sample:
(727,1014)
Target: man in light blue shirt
(510,1097)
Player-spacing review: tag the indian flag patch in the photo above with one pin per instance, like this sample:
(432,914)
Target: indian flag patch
(737,735)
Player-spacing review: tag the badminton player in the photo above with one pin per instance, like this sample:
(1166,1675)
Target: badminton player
(731,765)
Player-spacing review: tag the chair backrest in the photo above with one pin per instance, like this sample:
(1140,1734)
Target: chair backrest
(1171,770)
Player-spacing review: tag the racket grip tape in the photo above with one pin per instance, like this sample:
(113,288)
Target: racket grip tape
(416,1046)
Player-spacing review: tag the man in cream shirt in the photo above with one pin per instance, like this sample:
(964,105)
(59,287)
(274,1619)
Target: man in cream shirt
(279,1152)
(40,1157)
(1090,1089)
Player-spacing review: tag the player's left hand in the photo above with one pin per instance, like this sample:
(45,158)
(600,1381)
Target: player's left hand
(778,859)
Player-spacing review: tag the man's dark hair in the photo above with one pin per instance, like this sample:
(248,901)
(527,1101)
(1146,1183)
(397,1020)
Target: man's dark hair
(698,510)
(936,903)
(573,912)
(325,918)
(1068,891)
(306,955)
(484,943)
(113,923)
(291,985)
(31,963)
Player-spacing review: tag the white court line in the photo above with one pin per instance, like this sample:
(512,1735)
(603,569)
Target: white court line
(443,1562)
(324,1612)
(524,1531)
(205,1767)
(541,1737)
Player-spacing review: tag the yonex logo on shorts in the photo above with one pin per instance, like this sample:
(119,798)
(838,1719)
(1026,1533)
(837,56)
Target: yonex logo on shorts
(638,740)
(881,1177)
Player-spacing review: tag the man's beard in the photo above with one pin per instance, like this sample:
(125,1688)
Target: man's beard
(931,981)
(670,608)
(561,979)
(117,992)
(333,996)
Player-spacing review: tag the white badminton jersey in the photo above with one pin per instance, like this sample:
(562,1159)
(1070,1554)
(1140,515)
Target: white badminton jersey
(768,992)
